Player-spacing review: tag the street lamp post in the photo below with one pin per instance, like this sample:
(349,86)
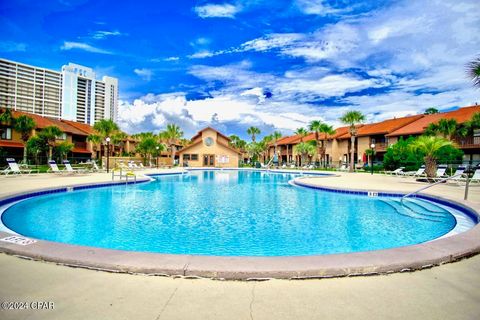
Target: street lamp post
(108,153)
(157,147)
(373,153)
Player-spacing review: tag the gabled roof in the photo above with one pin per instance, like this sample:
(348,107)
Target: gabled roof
(86,128)
(418,127)
(199,133)
(190,145)
(65,127)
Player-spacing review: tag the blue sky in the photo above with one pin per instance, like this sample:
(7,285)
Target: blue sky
(272,64)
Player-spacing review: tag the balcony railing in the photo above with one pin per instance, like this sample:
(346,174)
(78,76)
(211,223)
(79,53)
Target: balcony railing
(80,145)
(381,146)
(468,142)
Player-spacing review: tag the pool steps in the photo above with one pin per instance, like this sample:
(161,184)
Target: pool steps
(407,211)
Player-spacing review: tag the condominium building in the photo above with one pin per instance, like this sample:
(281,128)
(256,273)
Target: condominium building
(73,94)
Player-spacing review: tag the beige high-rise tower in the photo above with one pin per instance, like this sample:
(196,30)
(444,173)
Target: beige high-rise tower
(72,94)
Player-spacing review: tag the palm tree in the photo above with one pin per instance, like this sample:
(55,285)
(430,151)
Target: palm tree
(302,132)
(352,118)
(304,149)
(431,111)
(50,135)
(172,134)
(473,70)
(253,131)
(430,146)
(147,145)
(24,125)
(318,127)
(96,140)
(105,128)
(448,128)
(6,117)
(264,145)
(62,149)
(473,123)
(276,135)
(118,139)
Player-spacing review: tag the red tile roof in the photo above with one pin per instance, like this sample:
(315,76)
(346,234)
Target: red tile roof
(383,127)
(86,128)
(419,126)
(43,122)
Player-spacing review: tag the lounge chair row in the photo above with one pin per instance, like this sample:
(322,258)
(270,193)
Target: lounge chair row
(458,176)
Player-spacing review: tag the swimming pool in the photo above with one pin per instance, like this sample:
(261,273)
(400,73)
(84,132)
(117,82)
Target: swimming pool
(227,213)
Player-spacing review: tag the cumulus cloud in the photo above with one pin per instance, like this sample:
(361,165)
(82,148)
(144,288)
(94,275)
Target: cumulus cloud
(69,45)
(153,112)
(145,74)
(217,10)
(390,62)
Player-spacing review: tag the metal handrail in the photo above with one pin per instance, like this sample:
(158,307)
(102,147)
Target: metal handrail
(429,186)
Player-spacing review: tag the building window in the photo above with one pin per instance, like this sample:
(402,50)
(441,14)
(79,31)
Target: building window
(7,134)
(194,157)
(186,157)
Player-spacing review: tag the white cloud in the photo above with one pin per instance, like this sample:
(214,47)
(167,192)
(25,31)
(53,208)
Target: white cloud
(272,41)
(318,7)
(172,59)
(101,34)
(217,10)
(202,54)
(68,45)
(145,74)
(417,59)
(12,46)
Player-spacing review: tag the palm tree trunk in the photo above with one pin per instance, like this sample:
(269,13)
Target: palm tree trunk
(352,153)
(173,154)
(25,152)
(323,154)
(50,149)
(430,167)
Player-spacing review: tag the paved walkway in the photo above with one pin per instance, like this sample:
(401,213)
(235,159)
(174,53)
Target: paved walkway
(446,292)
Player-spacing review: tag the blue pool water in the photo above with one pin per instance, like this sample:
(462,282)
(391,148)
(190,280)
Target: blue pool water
(240,213)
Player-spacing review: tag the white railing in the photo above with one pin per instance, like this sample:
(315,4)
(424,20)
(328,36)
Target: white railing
(429,186)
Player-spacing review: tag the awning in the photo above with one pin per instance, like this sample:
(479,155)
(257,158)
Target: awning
(11,144)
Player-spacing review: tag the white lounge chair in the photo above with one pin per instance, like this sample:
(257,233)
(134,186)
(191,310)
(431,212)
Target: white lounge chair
(441,171)
(14,168)
(54,168)
(69,168)
(96,168)
(459,175)
(419,173)
(476,176)
(344,167)
(474,179)
(395,172)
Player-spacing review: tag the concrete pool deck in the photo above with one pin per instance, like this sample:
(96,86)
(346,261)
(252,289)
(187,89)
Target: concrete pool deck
(447,291)
(413,257)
